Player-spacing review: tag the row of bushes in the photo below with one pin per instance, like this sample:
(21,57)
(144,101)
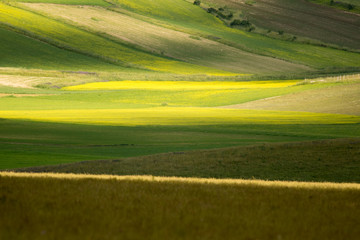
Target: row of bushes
(342,4)
(242,23)
(220,13)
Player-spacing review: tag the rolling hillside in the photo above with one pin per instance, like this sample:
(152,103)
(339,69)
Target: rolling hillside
(116,119)
(167,36)
(320,161)
(251,93)
(299,17)
(18,50)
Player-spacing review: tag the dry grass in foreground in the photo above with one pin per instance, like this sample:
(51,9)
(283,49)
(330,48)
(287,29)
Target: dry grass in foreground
(60,206)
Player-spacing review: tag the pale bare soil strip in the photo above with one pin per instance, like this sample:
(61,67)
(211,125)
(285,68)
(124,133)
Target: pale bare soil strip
(164,41)
(21,81)
(240,182)
(22,95)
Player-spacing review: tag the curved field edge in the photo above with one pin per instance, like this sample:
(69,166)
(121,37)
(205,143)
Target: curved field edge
(317,57)
(182,15)
(297,20)
(74,39)
(152,209)
(164,41)
(18,50)
(334,160)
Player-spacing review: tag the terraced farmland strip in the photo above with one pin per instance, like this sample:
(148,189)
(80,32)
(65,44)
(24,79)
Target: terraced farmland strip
(165,41)
(145,94)
(20,51)
(184,15)
(301,18)
(72,38)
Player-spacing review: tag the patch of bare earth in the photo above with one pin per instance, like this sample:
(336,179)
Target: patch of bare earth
(19,81)
(22,95)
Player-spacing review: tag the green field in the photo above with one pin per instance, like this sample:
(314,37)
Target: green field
(20,51)
(320,161)
(71,38)
(195,129)
(175,116)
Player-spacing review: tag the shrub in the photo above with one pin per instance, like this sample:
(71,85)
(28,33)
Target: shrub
(197,2)
(350,7)
(229,16)
(212,10)
(250,29)
(221,15)
(242,23)
(281,32)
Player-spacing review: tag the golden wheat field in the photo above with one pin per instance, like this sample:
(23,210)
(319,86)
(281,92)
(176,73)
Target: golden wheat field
(63,206)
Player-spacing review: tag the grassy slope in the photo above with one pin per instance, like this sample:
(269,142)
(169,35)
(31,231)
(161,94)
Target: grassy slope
(301,18)
(183,15)
(337,99)
(20,51)
(166,41)
(329,161)
(177,94)
(50,144)
(69,37)
(21,147)
(134,105)
(174,209)
(54,143)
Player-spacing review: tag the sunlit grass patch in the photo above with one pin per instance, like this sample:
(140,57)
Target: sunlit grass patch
(178,116)
(188,180)
(181,85)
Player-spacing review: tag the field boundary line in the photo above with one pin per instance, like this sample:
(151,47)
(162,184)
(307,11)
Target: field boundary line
(149,178)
